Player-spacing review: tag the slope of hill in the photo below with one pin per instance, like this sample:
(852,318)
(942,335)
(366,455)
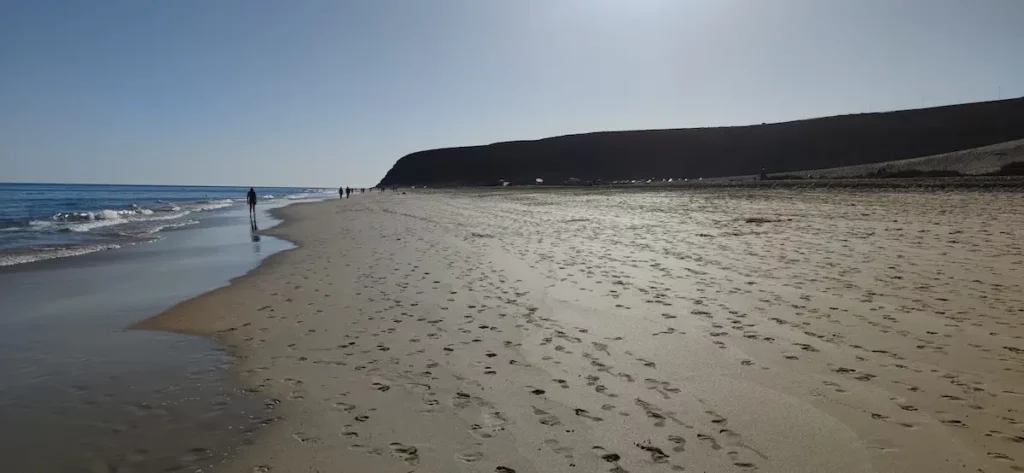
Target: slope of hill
(971,162)
(818,143)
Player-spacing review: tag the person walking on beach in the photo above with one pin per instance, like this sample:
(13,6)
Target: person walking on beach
(341,192)
(250,197)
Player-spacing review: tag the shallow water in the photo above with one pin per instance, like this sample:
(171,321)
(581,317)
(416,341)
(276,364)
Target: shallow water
(80,392)
(45,221)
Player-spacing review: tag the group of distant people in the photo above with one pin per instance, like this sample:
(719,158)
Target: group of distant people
(343,192)
(346,192)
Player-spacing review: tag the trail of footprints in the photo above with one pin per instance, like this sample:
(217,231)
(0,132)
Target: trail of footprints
(470,306)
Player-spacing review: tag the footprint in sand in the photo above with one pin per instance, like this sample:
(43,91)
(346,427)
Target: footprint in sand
(469,456)
(606,455)
(347,432)
(661,387)
(303,438)
(418,387)
(657,455)
(546,418)
(344,407)
(461,400)
(407,453)
(367,449)
(655,413)
(557,448)
(710,441)
(678,442)
(493,423)
(1005,436)
(586,415)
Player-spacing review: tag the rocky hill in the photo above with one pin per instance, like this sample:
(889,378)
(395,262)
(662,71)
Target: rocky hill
(818,143)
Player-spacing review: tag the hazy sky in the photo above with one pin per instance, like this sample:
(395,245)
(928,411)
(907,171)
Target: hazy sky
(330,93)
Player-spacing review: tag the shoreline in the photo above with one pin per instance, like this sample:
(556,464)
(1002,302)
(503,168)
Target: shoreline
(452,330)
(176,319)
(76,378)
(160,323)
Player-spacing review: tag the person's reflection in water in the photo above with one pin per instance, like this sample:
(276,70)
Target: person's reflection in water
(253,229)
(254,234)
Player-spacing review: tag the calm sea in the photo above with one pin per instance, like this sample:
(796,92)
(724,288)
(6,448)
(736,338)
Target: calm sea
(44,221)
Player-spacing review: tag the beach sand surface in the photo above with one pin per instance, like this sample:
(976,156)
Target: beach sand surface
(627,331)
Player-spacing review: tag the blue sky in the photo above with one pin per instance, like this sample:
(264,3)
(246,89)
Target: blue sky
(330,93)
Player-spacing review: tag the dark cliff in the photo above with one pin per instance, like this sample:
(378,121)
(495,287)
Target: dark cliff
(715,152)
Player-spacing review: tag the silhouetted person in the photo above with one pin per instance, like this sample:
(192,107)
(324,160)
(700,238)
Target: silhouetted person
(341,192)
(251,199)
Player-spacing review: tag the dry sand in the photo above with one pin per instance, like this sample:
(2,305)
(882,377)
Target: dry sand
(572,331)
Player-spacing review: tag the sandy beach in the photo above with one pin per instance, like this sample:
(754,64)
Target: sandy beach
(609,330)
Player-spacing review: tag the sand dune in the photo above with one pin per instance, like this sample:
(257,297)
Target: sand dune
(700,330)
(975,161)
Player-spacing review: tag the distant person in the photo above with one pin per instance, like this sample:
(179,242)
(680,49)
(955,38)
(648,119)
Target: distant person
(251,199)
(341,192)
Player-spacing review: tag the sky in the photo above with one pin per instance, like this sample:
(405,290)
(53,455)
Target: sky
(333,92)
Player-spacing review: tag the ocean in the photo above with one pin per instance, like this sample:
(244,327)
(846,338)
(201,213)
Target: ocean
(46,221)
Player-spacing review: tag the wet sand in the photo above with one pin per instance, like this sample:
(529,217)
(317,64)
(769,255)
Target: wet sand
(80,393)
(610,330)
